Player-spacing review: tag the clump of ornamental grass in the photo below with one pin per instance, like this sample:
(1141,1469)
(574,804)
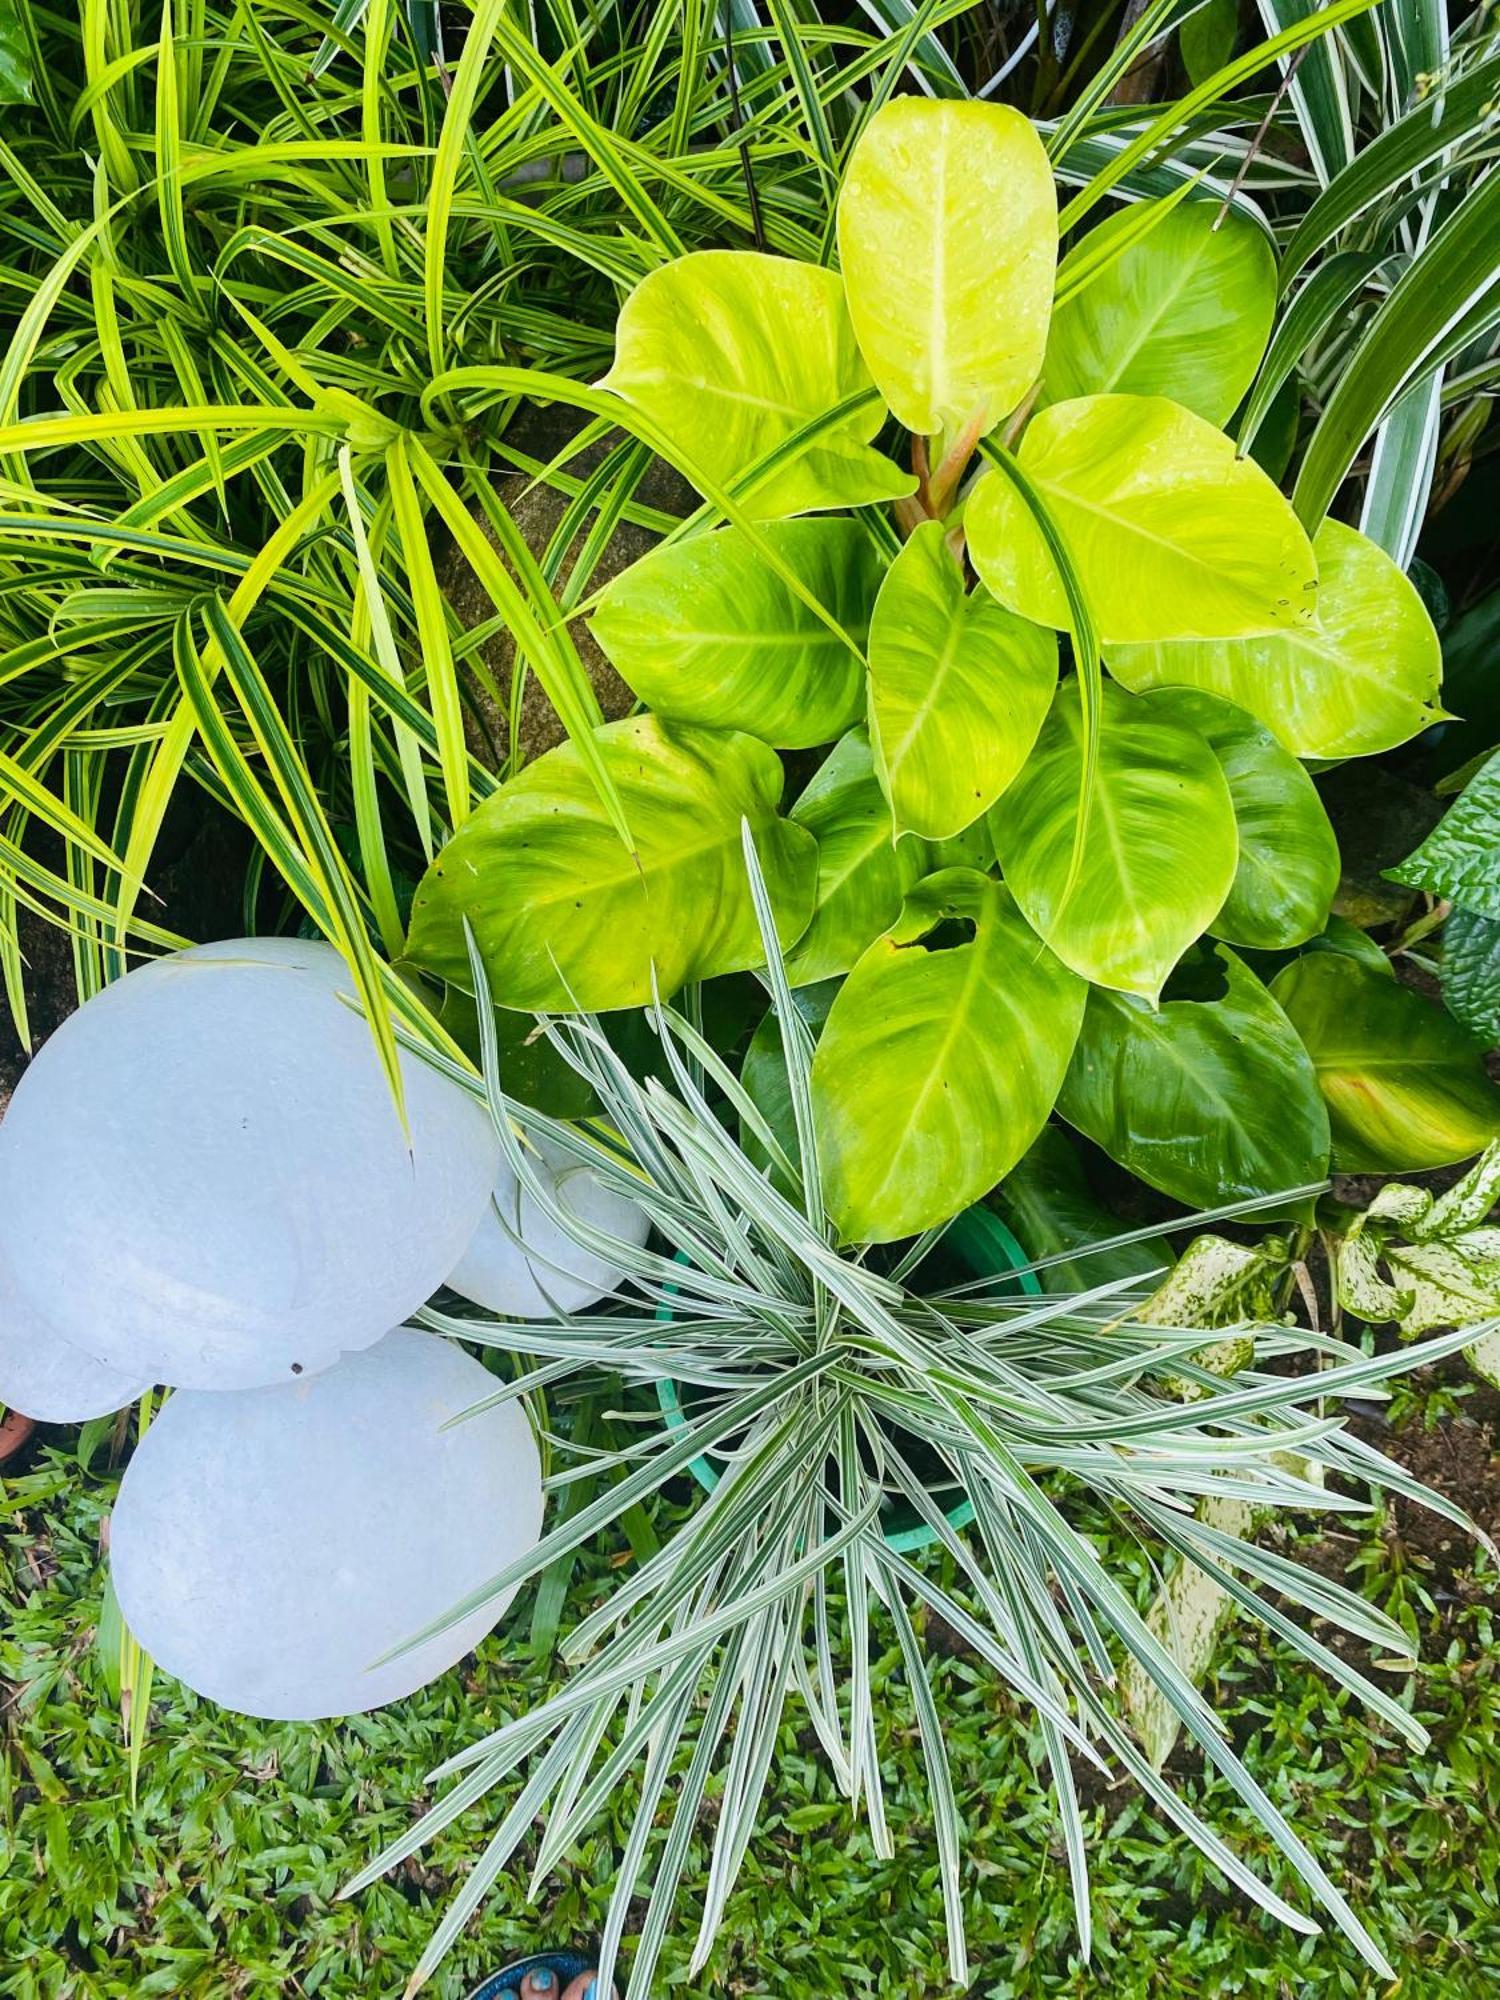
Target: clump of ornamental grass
(828,1385)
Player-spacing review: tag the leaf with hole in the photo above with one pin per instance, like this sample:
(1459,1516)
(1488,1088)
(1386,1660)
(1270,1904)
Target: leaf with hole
(1362,677)
(1211,1097)
(731,353)
(1405,1085)
(1172,534)
(1184,311)
(1161,849)
(704,631)
(864,872)
(1289,860)
(567,917)
(959,688)
(947,228)
(940,1060)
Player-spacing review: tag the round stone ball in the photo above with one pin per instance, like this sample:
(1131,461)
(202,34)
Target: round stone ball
(46,1377)
(520,1263)
(269,1546)
(204,1180)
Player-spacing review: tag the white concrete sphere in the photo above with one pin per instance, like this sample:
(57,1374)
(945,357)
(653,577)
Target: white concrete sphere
(46,1377)
(551,1274)
(268,1546)
(204,1181)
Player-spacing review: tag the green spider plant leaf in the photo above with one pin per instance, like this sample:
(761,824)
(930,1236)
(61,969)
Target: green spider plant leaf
(1209,1098)
(947,227)
(1162,849)
(1362,677)
(730,352)
(1460,858)
(959,688)
(1184,311)
(864,872)
(1289,858)
(1405,1085)
(1173,535)
(706,632)
(940,1060)
(567,919)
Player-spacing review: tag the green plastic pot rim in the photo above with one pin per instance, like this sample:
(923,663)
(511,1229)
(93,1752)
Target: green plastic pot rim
(989,1249)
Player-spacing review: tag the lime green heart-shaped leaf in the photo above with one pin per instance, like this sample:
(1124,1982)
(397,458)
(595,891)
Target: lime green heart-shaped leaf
(1289,859)
(864,872)
(567,918)
(1161,847)
(1172,535)
(1210,1098)
(1362,677)
(1405,1085)
(706,631)
(959,688)
(947,225)
(940,1060)
(731,352)
(1184,311)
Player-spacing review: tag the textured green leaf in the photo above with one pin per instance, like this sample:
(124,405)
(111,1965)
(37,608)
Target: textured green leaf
(1209,1099)
(1161,852)
(947,227)
(1173,535)
(731,352)
(940,1060)
(1405,1085)
(1047,1201)
(705,631)
(1471,973)
(1184,311)
(567,917)
(864,872)
(1460,858)
(1288,857)
(959,688)
(1362,678)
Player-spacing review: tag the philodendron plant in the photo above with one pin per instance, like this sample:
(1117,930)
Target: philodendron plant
(1037,880)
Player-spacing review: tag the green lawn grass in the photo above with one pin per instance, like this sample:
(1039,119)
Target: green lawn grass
(222,1879)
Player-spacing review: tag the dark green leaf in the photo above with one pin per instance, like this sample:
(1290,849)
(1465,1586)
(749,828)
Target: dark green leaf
(1471,973)
(1048,1203)
(1460,858)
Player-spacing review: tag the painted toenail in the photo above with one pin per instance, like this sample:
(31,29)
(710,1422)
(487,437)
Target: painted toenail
(591,1991)
(541,1979)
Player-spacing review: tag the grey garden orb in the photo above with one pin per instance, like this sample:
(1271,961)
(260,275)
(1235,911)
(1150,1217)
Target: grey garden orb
(46,1377)
(545,1272)
(204,1180)
(268,1546)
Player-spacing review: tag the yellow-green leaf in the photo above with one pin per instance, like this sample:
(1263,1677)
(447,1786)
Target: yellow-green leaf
(1172,535)
(1363,676)
(730,353)
(959,688)
(947,227)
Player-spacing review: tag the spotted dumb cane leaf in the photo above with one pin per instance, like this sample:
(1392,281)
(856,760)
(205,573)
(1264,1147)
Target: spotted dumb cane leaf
(940,1060)
(567,918)
(705,631)
(864,872)
(1288,856)
(1362,678)
(947,229)
(1184,311)
(1405,1085)
(959,688)
(1173,535)
(731,352)
(1209,1099)
(1162,848)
